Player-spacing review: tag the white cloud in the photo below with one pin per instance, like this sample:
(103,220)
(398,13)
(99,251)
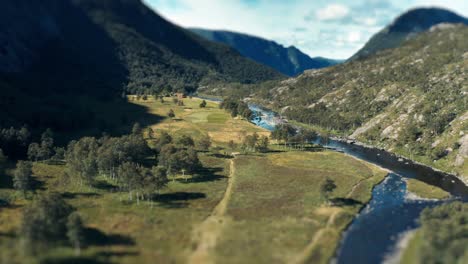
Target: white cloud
(335,29)
(332,12)
(354,37)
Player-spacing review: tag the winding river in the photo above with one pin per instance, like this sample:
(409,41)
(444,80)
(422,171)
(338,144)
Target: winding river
(374,234)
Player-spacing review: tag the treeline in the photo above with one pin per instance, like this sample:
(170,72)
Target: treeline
(288,134)
(236,107)
(127,161)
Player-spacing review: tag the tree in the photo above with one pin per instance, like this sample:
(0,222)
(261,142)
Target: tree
(81,158)
(263,143)
(171,113)
(250,142)
(161,99)
(163,140)
(136,129)
(129,176)
(22,176)
(159,178)
(185,141)
(232,145)
(203,104)
(47,144)
(34,151)
(3,159)
(204,143)
(151,133)
(327,188)
(76,232)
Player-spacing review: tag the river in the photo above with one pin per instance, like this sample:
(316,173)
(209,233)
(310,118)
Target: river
(374,234)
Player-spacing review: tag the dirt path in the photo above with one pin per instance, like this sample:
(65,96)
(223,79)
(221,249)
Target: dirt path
(304,255)
(206,234)
(306,252)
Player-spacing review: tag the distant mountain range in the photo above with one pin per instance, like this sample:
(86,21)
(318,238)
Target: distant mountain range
(101,48)
(407,26)
(290,61)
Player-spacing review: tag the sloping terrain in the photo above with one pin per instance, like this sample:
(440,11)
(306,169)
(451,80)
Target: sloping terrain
(411,100)
(51,51)
(287,60)
(405,27)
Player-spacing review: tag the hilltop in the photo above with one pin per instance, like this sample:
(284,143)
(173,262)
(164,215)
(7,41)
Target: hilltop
(405,27)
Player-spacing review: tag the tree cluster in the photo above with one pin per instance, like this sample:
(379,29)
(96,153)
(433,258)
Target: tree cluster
(255,143)
(444,231)
(236,107)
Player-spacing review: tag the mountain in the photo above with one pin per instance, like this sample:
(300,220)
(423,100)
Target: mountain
(290,61)
(410,100)
(407,26)
(54,52)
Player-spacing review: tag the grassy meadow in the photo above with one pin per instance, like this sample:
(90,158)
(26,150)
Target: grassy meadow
(253,208)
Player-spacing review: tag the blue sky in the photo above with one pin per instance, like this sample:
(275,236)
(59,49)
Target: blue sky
(327,28)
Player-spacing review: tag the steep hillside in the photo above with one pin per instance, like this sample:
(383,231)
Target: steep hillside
(53,51)
(407,26)
(290,61)
(411,100)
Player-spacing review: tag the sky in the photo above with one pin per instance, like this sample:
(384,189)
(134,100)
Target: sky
(326,28)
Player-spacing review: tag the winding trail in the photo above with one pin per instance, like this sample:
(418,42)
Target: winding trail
(207,233)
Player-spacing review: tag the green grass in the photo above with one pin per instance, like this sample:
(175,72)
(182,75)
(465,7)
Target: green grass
(425,190)
(273,214)
(161,233)
(277,208)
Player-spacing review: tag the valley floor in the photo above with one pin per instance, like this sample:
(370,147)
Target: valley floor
(250,208)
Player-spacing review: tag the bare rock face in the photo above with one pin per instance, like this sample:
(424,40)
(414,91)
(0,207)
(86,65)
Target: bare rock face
(462,152)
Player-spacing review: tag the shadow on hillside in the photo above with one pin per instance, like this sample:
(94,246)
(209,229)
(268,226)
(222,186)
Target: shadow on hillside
(98,238)
(70,195)
(37,184)
(108,254)
(7,234)
(204,175)
(220,155)
(345,202)
(104,185)
(73,260)
(177,199)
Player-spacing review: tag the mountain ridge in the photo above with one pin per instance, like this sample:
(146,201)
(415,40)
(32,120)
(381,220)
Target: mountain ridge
(287,60)
(406,26)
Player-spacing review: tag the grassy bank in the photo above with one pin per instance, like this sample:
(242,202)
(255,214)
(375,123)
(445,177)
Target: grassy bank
(425,190)
(255,208)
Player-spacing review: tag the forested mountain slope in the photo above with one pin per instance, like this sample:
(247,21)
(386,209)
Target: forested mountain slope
(57,58)
(407,26)
(290,61)
(411,100)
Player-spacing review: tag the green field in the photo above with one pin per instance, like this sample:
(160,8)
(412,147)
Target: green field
(254,208)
